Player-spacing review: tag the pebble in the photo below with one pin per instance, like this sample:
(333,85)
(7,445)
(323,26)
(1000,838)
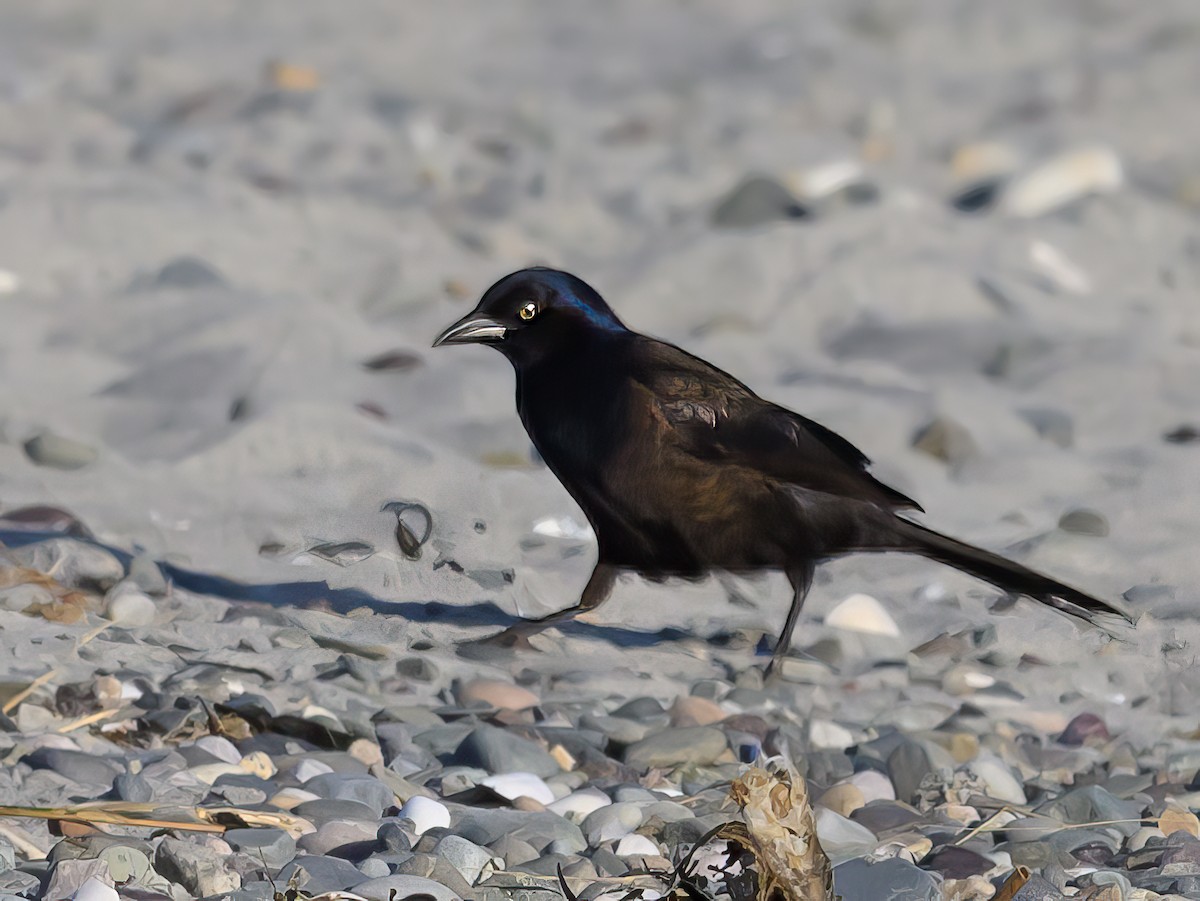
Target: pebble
(1084,522)
(637,845)
(673,747)
(392,888)
(1063,180)
(58,452)
(579,804)
(998,781)
(94,888)
(947,440)
(874,786)
(498,751)
(335,837)
(200,870)
(494,693)
(861,880)
(843,798)
(366,790)
(611,822)
(689,710)
(862,613)
(757,200)
(471,860)
(425,813)
(274,847)
(75,564)
(128,606)
(317,875)
(518,785)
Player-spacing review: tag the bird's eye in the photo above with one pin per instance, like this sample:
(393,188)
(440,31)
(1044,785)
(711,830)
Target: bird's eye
(528,311)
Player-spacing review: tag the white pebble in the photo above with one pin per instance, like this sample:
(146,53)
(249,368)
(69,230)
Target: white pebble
(9,282)
(579,804)
(307,769)
(95,890)
(862,613)
(128,605)
(874,785)
(425,813)
(636,844)
(827,734)
(562,527)
(220,747)
(1062,180)
(1000,783)
(1061,272)
(516,785)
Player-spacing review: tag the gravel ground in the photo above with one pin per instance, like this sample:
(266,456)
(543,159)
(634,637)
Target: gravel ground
(964,235)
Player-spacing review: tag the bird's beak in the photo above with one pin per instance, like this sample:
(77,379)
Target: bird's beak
(472,329)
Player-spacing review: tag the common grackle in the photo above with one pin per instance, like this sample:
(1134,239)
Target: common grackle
(682,469)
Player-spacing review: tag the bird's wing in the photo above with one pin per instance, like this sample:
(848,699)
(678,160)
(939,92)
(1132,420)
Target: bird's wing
(713,416)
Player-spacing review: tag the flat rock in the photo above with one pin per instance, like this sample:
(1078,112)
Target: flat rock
(384,888)
(365,790)
(321,874)
(894,879)
(499,751)
(674,747)
(274,847)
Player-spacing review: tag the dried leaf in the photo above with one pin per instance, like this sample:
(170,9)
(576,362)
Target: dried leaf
(783,836)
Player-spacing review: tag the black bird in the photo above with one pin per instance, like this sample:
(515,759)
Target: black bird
(682,469)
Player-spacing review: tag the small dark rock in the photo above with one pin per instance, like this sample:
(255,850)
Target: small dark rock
(757,200)
(1084,522)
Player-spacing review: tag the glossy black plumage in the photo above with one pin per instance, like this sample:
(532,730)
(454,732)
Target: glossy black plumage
(682,469)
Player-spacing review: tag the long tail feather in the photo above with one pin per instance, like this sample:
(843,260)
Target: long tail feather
(1015,578)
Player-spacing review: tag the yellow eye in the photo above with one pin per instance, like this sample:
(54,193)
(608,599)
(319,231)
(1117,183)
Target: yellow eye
(528,311)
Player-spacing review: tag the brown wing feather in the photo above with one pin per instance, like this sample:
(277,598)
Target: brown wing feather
(702,402)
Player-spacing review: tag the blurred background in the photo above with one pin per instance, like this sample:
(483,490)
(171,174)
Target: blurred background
(965,235)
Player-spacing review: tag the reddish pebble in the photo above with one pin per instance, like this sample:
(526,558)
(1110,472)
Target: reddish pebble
(1086,728)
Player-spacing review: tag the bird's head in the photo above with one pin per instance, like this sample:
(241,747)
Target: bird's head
(534,312)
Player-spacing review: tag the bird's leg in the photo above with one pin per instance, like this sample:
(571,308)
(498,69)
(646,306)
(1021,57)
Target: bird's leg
(595,593)
(800,579)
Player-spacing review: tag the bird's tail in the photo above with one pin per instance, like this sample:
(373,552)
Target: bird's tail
(1015,578)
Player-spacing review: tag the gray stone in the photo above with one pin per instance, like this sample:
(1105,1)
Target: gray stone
(200,870)
(325,809)
(403,887)
(514,851)
(484,826)
(673,747)
(316,875)
(133,787)
(1084,522)
(1038,889)
(1053,425)
(894,879)
(334,837)
(272,847)
(67,876)
(756,200)
(8,855)
(472,861)
(374,868)
(75,765)
(642,708)
(430,866)
(183,273)
(348,787)
(395,836)
(611,822)
(498,751)
(56,452)
(1093,803)
(907,765)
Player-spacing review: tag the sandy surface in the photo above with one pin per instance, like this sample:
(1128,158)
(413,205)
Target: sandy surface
(446,144)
